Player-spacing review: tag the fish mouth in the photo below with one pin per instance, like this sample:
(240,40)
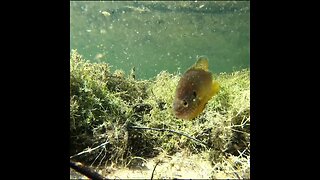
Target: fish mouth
(182,113)
(176,106)
(185,115)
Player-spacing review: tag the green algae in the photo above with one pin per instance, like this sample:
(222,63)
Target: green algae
(105,105)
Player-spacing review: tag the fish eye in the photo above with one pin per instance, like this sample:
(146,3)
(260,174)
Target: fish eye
(194,94)
(185,103)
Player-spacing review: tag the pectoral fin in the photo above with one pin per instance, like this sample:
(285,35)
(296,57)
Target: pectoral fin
(215,88)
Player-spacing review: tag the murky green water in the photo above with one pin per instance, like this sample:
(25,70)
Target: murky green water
(156,36)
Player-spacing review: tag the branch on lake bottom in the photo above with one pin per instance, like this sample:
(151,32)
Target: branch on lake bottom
(82,169)
(180,133)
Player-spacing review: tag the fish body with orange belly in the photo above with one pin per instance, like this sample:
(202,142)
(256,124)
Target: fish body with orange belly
(195,88)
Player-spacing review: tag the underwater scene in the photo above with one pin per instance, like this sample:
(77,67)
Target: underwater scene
(160,89)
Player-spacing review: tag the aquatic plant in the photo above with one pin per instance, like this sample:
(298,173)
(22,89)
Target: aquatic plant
(115,118)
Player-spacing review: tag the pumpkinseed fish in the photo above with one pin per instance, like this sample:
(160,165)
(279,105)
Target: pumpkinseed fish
(195,88)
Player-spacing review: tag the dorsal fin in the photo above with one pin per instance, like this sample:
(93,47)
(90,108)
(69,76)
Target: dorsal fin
(202,63)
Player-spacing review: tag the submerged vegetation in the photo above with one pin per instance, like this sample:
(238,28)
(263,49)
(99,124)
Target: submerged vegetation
(108,107)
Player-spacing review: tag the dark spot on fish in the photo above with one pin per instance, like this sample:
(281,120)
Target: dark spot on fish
(194,94)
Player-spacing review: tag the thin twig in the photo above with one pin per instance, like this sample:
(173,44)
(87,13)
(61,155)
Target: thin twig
(154,169)
(240,131)
(105,154)
(180,133)
(96,157)
(89,150)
